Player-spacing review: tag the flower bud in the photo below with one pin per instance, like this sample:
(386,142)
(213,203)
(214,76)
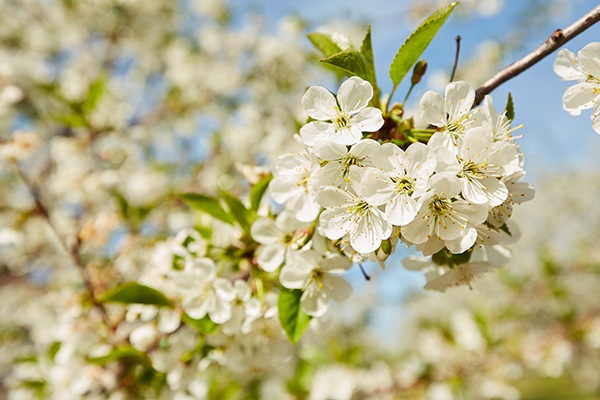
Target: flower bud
(418,72)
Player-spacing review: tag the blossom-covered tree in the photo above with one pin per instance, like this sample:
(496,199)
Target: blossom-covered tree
(179,210)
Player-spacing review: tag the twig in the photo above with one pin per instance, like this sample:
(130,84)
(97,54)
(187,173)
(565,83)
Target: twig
(72,251)
(557,39)
(458,39)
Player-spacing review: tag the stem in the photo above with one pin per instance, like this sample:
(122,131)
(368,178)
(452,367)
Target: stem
(557,39)
(72,251)
(389,102)
(458,39)
(408,93)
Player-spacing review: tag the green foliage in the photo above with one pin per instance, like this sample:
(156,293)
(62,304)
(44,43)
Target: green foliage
(134,293)
(445,257)
(237,209)
(366,49)
(258,190)
(207,204)
(417,42)
(325,43)
(127,353)
(352,62)
(293,320)
(203,325)
(510,108)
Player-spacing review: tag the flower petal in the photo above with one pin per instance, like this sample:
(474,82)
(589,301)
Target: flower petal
(319,103)
(354,95)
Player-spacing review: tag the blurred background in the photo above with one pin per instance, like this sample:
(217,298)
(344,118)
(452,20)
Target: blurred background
(111,108)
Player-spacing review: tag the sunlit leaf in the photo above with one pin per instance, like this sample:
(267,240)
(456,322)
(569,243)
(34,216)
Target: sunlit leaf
(412,49)
(293,320)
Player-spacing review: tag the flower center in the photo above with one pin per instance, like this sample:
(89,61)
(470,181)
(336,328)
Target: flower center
(473,170)
(404,184)
(440,205)
(343,120)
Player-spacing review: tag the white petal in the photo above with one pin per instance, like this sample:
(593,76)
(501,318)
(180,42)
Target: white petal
(365,148)
(463,242)
(419,230)
(368,120)
(401,210)
(413,263)
(596,119)
(369,232)
(346,136)
(459,99)
(589,57)
(331,196)
(335,223)
(264,231)
(566,66)
(433,110)
(374,186)
(292,278)
(581,97)
(270,256)
(449,227)
(319,103)
(316,131)
(354,95)
(336,287)
(314,302)
(475,214)
(330,151)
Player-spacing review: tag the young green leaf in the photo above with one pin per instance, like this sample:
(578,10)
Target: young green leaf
(325,43)
(134,293)
(366,49)
(510,108)
(120,353)
(293,320)
(207,204)
(95,92)
(258,190)
(238,210)
(204,325)
(352,62)
(417,42)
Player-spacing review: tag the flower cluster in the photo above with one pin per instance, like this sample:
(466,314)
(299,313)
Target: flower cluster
(585,69)
(450,195)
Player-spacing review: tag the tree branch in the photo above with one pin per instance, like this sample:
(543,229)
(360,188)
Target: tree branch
(556,40)
(72,251)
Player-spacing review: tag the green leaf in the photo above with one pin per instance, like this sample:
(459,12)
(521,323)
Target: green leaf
(238,210)
(95,92)
(207,204)
(204,325)
(366,49)
(120,353)
(293,320)
(134,293)
(510,108)
(417,42)
(325,43)
(258,191)
(352,62)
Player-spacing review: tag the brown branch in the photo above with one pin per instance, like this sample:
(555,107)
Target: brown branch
(557,39)
(72,251)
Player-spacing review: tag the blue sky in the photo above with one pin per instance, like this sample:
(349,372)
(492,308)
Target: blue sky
(552,139)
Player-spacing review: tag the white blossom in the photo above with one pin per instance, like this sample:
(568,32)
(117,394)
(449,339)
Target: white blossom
(292,184)
(346,213)
(398,181)
(585,69)
(318,278)
(342,121)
